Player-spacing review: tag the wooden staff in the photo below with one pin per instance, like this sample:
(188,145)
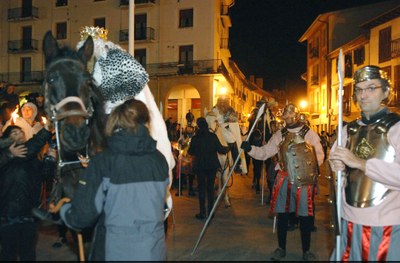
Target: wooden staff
(339,143)
(80,245)
(54,209)
(260,112)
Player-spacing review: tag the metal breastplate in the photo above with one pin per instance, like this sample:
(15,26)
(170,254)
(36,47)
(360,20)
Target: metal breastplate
(368,142)
(298,158)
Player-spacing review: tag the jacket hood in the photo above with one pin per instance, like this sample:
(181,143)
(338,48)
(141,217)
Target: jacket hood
(34,110)
(129,143)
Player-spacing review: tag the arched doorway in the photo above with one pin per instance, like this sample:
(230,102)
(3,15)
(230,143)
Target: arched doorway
(181,99)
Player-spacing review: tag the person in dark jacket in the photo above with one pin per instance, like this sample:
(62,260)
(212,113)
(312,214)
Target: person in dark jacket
(20,181)
(256,140)
(11,97)
(123,189)
(204,148)
(9,150)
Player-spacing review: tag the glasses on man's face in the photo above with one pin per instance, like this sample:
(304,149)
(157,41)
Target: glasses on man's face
(368,90)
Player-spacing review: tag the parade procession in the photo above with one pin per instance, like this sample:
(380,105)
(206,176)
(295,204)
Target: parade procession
(131,130)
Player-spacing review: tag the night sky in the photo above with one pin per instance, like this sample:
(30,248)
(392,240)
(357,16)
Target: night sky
(264,37)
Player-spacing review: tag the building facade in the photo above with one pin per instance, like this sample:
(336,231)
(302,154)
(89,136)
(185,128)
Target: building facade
(183,44)
(360,33)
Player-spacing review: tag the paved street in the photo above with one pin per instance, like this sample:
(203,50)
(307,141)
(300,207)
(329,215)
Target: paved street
(242,232)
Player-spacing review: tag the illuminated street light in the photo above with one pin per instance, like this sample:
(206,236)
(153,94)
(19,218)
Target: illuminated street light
(222,91)
(303,104)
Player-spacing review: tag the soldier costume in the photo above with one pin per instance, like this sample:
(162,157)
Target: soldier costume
(370,226)
(300,154)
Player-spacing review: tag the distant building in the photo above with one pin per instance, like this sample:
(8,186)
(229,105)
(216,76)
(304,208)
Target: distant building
(184,45)
(369,34)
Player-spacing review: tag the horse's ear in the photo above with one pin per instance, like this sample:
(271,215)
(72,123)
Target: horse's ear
(205,111)
(86,51)
(50,47)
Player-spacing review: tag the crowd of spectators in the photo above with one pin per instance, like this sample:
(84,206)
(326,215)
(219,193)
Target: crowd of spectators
(26,162)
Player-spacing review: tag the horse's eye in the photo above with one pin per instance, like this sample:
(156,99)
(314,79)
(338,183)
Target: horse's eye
(50,80)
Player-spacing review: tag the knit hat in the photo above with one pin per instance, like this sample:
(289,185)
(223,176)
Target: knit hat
(33,107)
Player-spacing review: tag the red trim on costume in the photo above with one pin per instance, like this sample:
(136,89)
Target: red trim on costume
(365,242)
(44,195)
(298,196)
(278,183)
(310,200)
(384,246)
(346,253)
(288,195)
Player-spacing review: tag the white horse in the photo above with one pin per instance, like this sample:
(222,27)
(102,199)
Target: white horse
(225,160)
(231,132)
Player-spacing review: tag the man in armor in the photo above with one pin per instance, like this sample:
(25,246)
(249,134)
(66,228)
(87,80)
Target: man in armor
(300,155)
(370,161)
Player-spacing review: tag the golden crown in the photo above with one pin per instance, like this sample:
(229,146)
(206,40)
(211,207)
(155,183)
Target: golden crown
(95,32)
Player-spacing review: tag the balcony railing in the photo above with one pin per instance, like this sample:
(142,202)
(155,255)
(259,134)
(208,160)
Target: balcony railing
(224,43)
(23,13)
(22,46)
(21,77)
(224,10)
(395,48)
(125,3)
(212,66)
(146,34)
(138,2)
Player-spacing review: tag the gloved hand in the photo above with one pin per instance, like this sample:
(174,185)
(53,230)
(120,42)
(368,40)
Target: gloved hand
(245,146)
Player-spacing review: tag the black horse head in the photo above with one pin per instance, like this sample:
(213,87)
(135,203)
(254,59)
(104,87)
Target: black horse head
(70,97)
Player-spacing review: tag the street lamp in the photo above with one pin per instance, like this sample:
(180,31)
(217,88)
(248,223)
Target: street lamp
(303,105)
(222,91)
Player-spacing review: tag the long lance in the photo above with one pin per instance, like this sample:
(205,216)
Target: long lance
(260,112)
(264,120)
(339,143)
(180,159)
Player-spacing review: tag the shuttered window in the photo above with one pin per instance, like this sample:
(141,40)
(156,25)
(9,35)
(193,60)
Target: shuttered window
(385,39)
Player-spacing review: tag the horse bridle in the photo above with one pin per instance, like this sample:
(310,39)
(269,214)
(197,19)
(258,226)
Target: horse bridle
(226,165)
(56,117)
(216,127)
(80,112)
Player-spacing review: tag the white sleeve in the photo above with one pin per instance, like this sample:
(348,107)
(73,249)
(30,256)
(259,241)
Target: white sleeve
(158,129)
